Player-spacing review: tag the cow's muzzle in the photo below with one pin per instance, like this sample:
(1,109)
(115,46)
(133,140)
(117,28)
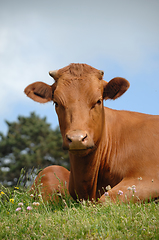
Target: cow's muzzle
(78,140)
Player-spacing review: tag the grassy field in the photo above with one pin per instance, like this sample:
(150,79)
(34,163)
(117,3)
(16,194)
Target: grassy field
(23,217)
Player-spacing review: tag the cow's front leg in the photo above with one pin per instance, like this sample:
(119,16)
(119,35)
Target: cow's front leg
(133,189)
(51,180)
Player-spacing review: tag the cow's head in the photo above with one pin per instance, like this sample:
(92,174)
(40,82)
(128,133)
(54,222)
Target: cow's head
(78,93)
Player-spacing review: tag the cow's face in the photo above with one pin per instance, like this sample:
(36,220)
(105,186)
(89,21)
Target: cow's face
(78,94)
(79,106)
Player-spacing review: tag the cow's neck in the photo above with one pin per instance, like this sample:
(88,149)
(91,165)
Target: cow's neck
(84,172)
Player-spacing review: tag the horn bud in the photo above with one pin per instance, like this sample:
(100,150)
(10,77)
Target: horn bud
(53,74)
(101,72)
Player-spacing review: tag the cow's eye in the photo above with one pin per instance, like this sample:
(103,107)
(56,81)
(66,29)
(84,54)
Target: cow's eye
(99,102)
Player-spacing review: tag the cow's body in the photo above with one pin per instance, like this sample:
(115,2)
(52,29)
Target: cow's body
(106,147)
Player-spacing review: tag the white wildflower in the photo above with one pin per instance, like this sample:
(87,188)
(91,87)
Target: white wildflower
(108,188)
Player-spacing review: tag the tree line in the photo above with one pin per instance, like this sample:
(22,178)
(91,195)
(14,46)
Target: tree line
(29,144)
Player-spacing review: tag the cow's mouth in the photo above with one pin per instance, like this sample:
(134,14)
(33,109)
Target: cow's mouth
(80,152)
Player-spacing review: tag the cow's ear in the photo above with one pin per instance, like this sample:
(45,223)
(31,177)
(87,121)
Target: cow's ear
(115,88)
(39,92)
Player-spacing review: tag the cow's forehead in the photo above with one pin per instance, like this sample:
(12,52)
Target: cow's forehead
(88,87)
(89,83)
(78,80)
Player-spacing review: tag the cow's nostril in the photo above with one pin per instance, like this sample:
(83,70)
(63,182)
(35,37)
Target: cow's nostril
(84,138)
(68,138)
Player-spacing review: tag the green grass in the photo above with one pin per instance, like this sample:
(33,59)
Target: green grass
(70,220)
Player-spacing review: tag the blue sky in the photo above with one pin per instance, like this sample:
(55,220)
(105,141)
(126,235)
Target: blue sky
(119,37)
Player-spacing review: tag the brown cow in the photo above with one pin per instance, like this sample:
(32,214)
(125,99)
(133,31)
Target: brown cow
(106,147)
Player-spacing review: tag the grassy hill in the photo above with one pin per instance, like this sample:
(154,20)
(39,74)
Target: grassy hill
(24,217)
